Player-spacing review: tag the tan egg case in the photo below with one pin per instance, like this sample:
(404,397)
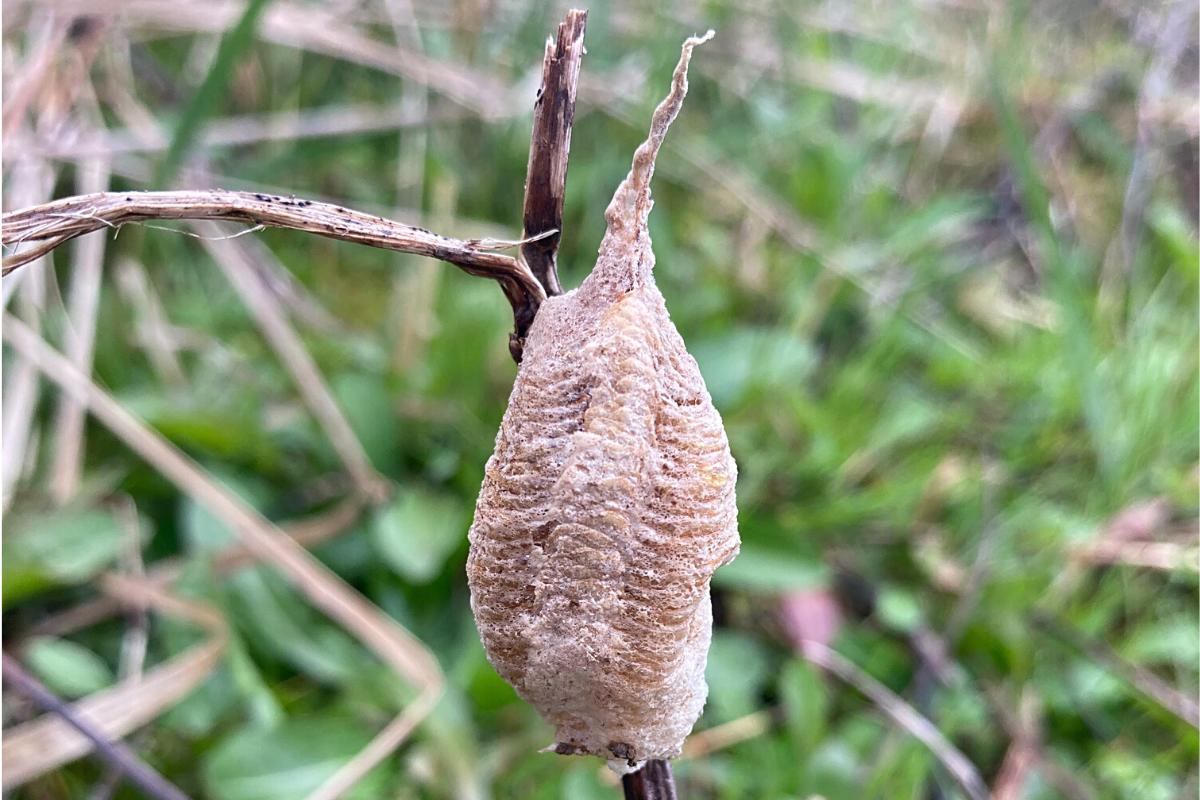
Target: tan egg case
(607,504)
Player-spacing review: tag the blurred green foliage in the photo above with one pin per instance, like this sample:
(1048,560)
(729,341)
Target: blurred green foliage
(941,381)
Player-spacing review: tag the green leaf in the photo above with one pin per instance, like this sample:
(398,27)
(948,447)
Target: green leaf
(369,408)
(288,761)
(61,548)
(272,614)
(900,771)
(277,620)
(833,768)
(69,669)
(898,609)
(743,359)
(580,782)
(1167,641)
(418,531)
(261,704)
(767,571)
(1176,234)
(216,701)
(206,97)
(737,669)
(805,703)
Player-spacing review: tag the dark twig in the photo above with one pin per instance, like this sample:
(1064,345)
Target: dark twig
(115,754)
(549,147)
(653,781)
(137,631)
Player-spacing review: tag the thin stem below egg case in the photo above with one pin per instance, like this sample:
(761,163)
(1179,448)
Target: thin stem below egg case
(653,781)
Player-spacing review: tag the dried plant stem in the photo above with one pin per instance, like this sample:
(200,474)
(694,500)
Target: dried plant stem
(83,307)
(322,587)
(342,119)
(1021,719)
(727,734)
(21,394)
(411,300)
(48,226)
(153,332)
(1165,556)
(306,532)
(45,43)
(550,147)
(43,744)
(61,220)
(1173,40)
(36,747)
(113,753)
(136,639)
(956,763)
(387,740)
(32,182)
(238,263)
(317,29)
(526,280)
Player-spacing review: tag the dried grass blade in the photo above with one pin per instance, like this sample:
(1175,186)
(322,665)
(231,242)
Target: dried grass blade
(323,588)
(83,307)
(904,715)
(48,742)
(236,261)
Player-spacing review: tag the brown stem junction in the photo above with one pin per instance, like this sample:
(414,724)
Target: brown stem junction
(527,280)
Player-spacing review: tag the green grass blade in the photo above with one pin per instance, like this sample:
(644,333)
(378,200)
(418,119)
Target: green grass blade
(204,102)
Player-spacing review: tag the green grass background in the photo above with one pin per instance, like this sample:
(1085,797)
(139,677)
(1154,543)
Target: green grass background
(939,374)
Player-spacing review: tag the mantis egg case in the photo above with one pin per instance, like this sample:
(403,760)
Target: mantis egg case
(607,504)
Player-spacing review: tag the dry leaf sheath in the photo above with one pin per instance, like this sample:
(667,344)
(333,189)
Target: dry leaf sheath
(608,503)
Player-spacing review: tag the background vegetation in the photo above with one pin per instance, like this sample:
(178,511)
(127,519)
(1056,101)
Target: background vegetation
(937,260)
